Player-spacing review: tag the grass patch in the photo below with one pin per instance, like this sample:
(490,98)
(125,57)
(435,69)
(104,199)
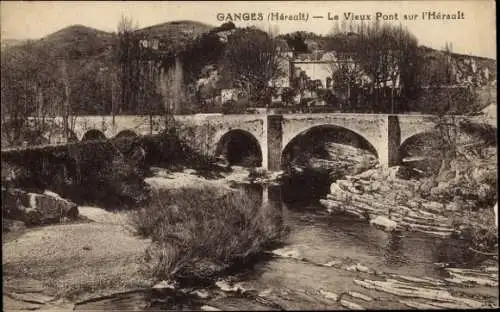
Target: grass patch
(198,233)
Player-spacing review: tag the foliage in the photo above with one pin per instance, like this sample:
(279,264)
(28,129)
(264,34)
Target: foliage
(477,228)
(69,170)
(234,107)
(30,86)
(288,95)
(379,55)
(226,26)
(198,232)
(296,41)
(250,62)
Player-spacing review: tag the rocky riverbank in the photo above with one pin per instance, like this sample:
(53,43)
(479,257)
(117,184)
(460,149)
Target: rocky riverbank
(52,266)
(165,178)
(387,200)
(381,197)
(394,203)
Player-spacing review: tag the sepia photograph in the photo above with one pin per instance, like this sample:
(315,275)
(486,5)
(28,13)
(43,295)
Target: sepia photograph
(249,155)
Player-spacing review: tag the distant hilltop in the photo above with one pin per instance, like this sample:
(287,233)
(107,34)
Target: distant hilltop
(83,41)
(175,34)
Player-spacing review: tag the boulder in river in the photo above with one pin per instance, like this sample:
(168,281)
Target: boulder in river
(385,223)
(293,253)
(166,285)
(35,208)
(209,308)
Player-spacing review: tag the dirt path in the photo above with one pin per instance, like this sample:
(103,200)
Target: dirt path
(72,261)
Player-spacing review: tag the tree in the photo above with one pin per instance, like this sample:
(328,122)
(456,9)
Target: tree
(31,90)
(251,63)
(387,54)
(128,59)
(346,75)
(288,95)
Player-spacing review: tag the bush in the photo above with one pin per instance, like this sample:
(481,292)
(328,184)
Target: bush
(477,229)
(88,172)
(197,233)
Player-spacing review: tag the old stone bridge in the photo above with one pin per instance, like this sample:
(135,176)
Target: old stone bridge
(270,135)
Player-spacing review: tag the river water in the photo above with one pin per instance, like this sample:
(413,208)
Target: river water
(321,237)
(317,238)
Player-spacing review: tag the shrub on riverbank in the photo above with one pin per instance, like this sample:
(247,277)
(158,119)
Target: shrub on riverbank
(478,228)
(88,172)
(197,233)
(475,241)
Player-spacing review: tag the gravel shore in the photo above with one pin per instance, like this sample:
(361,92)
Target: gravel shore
(74,261)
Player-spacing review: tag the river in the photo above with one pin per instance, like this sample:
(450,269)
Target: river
(352,249)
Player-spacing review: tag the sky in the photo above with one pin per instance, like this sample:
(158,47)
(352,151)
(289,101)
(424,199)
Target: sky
(474,34)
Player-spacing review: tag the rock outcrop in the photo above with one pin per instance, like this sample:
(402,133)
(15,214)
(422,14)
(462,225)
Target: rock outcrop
(384,223)
(381,197)
(35,208)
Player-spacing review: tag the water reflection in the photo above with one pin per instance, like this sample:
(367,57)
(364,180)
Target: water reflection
(321,237)
(394,254)
(306,187)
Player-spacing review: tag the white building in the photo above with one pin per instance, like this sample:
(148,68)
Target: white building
(316,70)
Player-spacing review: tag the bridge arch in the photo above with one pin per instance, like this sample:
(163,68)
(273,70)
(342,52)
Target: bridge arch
(239,147)
(126,134)
(312,136)
(420,149)
(93,134)
(418,144)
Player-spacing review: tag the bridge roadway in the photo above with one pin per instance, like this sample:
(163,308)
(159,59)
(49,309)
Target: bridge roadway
(273,134)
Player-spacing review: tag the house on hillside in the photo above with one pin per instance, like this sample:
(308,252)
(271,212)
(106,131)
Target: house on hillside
(152,43)
(318,66)
(313,67)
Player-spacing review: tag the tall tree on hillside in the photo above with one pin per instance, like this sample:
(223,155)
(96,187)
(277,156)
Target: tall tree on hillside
(386,53)
(346,75)
(251,62)
(128,60)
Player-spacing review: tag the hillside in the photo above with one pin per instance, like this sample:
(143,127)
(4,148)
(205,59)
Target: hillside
(175,35)
(461,62)
(6,43)
(78,41)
